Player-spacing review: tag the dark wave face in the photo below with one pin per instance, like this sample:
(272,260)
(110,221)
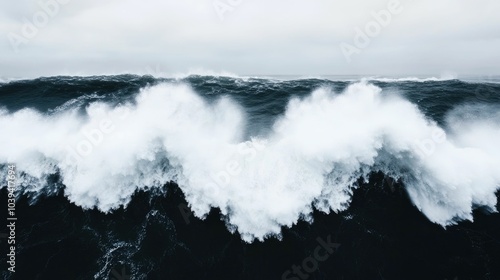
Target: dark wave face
(205,177)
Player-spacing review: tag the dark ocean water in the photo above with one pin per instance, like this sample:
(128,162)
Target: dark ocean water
(398,220)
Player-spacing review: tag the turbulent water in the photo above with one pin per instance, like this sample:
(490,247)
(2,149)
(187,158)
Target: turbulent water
(255,158)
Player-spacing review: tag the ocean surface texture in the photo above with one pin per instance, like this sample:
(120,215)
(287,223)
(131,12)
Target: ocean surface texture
(220,177)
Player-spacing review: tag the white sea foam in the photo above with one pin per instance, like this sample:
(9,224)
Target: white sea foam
(311,158)
(413,79)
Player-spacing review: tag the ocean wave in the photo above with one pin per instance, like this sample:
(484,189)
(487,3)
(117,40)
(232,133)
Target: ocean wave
(312,157)
(413,79)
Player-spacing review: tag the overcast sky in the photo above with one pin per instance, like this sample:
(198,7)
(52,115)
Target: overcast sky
(250,37)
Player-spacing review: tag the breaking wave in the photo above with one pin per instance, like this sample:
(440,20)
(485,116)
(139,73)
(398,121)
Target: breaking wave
(312,157)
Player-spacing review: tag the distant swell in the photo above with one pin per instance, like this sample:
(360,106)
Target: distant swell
(312,156)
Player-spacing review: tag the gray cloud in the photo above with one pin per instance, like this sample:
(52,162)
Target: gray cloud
(249,37)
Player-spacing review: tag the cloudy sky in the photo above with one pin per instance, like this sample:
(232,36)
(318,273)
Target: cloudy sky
(250,37)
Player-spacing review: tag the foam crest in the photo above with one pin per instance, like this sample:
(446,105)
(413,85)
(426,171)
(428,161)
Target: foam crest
(444,77)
